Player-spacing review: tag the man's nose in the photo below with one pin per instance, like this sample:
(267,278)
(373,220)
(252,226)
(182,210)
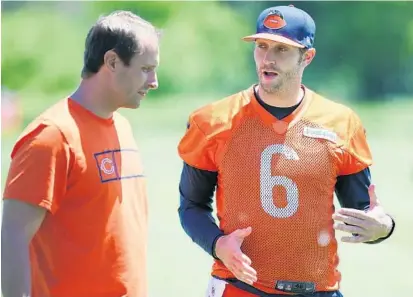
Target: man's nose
(270,57)
(153,81)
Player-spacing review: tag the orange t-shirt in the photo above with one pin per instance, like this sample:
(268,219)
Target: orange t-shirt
(278,176)
(86,171)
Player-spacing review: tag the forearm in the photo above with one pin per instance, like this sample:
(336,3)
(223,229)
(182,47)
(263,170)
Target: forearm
(353,192)
(199,224)
(196,190)
(15,265)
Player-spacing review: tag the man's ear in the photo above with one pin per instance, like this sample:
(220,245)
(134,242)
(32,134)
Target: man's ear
(110,60)
(309,56)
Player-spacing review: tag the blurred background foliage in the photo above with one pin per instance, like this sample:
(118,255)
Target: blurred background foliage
(364,50)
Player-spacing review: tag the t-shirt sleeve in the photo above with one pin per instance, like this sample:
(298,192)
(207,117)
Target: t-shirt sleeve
(356,151)
(197,149)
(39,168)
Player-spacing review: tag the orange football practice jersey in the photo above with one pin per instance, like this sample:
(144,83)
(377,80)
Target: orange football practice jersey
(278,176)
(86,172)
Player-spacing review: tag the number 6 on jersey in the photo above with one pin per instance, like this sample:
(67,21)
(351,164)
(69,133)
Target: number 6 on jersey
(268,182)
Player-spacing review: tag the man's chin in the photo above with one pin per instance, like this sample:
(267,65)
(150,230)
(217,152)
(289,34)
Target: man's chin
(132,105)
(269,88)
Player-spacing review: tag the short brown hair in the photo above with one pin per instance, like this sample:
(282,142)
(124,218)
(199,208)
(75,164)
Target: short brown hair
(118,31)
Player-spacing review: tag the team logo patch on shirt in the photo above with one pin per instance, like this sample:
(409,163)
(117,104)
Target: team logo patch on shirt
(320,133)
(118,164)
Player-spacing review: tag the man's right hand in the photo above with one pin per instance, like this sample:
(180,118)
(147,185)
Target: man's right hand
(228,250)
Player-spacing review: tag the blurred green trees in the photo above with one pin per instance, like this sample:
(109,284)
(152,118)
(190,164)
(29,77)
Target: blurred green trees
(364,49)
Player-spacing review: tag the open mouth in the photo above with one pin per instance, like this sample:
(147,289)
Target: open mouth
(270,74)
(143,94)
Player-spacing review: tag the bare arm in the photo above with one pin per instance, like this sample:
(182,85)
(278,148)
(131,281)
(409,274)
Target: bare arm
(35,184)
(19,224)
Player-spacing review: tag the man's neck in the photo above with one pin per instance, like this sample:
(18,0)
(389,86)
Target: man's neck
(93,98)
(282,98)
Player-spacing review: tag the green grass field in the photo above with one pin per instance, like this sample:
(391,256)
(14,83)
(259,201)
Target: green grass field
(178,268)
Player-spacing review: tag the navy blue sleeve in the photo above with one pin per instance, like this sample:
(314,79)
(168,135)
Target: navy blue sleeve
(196,189)
(352,192)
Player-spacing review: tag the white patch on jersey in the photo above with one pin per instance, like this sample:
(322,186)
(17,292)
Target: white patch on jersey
(320,133)
(216,287)
(323,238)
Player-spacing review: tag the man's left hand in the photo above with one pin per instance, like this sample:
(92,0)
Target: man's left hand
(369,225)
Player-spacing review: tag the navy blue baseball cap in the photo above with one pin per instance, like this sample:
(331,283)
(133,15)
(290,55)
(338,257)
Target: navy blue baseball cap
(285,24)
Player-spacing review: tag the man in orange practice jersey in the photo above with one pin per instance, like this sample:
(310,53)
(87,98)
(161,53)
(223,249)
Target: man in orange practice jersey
(276,152)
(75,205)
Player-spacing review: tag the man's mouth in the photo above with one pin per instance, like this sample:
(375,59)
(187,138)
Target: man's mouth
(270,73)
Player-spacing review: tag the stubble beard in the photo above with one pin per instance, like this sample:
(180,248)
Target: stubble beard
(281,83)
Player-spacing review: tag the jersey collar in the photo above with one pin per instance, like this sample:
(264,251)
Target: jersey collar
(283,125)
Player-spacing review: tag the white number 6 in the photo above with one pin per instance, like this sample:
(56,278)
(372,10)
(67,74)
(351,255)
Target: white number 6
(268,182)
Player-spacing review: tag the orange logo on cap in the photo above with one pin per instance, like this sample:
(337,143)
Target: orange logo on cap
(274,21)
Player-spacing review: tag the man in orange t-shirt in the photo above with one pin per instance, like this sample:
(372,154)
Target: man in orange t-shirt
(75,205)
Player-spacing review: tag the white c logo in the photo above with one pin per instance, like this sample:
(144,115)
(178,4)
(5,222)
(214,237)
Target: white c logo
(107,169)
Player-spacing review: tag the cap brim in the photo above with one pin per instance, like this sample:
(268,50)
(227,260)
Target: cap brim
(272,37)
